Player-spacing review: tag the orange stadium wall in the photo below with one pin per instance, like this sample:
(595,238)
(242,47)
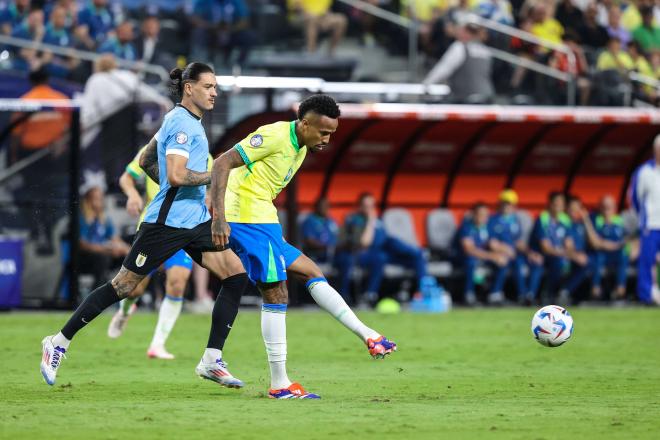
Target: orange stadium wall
(421,157)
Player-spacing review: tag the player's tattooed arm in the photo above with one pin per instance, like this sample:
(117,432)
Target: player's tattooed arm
(149,160)
(222,166)
(179,175)
(193,178)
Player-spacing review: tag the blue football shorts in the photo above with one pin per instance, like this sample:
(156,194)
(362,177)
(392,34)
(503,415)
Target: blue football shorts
(262,250)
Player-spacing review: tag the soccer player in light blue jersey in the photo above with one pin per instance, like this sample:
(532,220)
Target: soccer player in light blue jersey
(176,219)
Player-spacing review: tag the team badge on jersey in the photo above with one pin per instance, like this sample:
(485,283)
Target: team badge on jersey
(181,138)
(256,140)
(140,260)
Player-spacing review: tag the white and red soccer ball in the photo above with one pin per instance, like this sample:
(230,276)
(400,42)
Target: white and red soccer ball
(552,326)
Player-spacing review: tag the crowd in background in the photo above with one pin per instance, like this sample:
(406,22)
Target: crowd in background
(608,38)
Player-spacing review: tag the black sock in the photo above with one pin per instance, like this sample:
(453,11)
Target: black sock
(226,309)
(90,308)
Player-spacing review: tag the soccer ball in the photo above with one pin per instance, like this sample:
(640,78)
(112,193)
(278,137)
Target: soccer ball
(552,326)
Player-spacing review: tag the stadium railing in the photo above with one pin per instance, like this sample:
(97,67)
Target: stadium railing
(84,55)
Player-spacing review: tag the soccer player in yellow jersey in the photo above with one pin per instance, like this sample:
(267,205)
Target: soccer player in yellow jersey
(177,267)
(245,180)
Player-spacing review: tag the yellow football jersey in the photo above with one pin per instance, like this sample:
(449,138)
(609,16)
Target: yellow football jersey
(151,187)
(272,156)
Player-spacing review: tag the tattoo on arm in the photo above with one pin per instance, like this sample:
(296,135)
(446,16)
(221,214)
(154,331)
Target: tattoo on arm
(194,178)
(149,161)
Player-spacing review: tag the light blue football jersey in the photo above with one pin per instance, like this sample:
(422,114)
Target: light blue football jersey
(180,207)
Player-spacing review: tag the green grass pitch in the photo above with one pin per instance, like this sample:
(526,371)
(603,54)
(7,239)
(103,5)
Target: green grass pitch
(464,375)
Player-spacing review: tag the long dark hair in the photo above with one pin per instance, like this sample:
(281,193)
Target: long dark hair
(178,77)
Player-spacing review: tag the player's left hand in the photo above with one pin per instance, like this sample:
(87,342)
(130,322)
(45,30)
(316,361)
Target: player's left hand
(220,231)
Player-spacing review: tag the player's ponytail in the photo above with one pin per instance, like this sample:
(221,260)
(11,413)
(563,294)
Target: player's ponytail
(176,82)
(191,73)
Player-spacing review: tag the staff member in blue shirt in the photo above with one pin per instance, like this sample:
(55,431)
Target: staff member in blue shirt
(611,251)
(504,226)
(366,243)
(319,233)
(475,247)
(579,241)
(549,235)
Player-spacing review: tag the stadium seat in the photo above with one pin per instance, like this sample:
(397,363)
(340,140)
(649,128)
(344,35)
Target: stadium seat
(399,223)
(440,230)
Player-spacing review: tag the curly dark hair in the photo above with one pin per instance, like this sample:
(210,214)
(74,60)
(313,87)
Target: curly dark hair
(321,104)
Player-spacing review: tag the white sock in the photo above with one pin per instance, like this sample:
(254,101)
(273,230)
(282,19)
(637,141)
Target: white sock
(273,330)
(331,301)
(170,309)
(211,355)
(60,341)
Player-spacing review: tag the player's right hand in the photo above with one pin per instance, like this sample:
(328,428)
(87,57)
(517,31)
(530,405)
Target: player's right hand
(134,205)
(220,231)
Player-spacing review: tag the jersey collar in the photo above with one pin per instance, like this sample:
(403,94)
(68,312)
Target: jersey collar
(292,135)
(191,113)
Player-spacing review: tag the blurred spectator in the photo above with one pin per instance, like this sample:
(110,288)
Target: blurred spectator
(370,25)
(70,10)
(476,248)
(579,240)
(614,28)
(58,34)
(504,227)
(632,18)
(642,66)
(570,17)
(32,28)
(95,22)
(426,13)
(99,242)
(12,14)
(121,43)
(466,67)
(603,7)
(42,129)
(648,33)
(107,104)
(496,10)
(646,201)
(315,17)
(446,28)
(366,243)
(544,26)
(148,45)
(614,58)
(319,233)
(549,235)
(610,250)
(221,25)
(591,33)
(559,60)
(454,17)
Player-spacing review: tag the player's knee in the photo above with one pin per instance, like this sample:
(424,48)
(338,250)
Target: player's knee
(125,282)
(176,287)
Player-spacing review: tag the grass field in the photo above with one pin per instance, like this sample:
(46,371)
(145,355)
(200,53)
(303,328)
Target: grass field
(467,374)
